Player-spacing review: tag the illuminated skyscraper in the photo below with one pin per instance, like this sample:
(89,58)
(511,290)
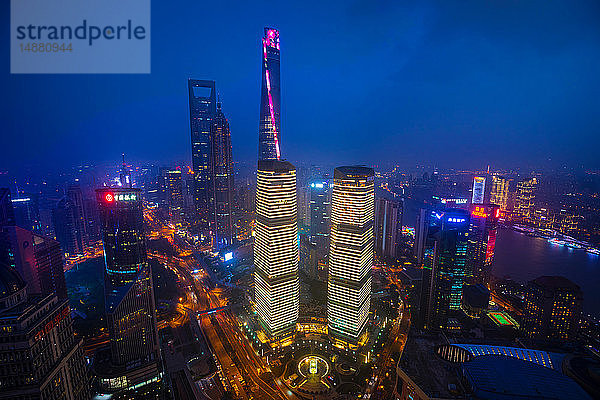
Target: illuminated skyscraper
(478,190)
(269,130)
(42,358)
(482,242)
(320,207)
(524,200)
(276,247)
(129,294)
(552,308)
(499,192)
(444,266)
(351,252)
(421,231)
(203,108)
(38,259)
(223,180)
(175,195)
(212,163)
(65,226)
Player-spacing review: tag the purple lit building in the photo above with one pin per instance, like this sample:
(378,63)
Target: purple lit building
(269,131)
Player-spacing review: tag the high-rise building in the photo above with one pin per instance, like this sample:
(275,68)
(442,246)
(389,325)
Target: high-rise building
(276,247)
(320,208)
(66,226)
(76,195)
(524,200)
(27,212)
(133,358)
(7,213)
(351,253)
(421,231)
(40,356)
(203,107)
(303,194)
(566,222)
(388,225)
(175,195)
(269,131)
(499,192)
(223,181)
(478,190)
(552,308)
(483,226)
(38,259)
(444,267)
(308,257)
(212,163)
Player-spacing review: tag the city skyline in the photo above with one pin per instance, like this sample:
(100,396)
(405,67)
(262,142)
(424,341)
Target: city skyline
(427,226)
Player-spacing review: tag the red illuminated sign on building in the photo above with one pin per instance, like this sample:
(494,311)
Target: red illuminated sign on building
(109,197)
(52,323)
(479,212)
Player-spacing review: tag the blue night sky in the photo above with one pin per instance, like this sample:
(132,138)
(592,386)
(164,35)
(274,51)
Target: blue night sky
(452,84)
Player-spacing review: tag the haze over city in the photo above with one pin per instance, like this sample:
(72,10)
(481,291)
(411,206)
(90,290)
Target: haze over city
(437,83)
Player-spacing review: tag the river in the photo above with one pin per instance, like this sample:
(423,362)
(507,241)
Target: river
(524,258)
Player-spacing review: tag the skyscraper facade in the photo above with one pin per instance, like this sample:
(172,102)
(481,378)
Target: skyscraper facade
(129,293)
(276,248)
(552,308)
(499,192)
(203,107)
(269,131)
(524,200)
(65,226)
(223,181)
(483,227)
(388,225)
(76,195)
(7,213)
(212,163)
(478,190)
(175,195)
(444,266)
(351,252)
(320,208)
(41,358)
(38,259)
(421,231)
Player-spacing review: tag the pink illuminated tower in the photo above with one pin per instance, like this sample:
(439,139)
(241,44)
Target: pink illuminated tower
(269,131)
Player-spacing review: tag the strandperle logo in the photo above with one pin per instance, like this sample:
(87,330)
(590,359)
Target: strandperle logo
(87,32)
(75,36)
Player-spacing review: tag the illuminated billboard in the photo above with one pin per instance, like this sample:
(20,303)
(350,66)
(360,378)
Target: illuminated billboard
(478,190)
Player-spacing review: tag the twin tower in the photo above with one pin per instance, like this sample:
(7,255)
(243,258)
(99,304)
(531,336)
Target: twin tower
(350,253)
(277,286)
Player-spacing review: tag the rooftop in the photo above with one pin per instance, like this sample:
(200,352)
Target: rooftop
(353,171)
(556,282)
(275,166)
(496,377)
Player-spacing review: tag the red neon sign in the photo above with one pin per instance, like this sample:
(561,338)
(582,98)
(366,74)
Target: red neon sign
(52,323)
(109,197)
(479,212)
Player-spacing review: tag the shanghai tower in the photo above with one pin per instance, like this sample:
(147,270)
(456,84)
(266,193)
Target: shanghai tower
(269,131)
